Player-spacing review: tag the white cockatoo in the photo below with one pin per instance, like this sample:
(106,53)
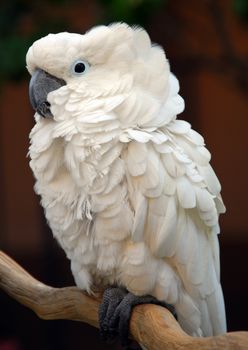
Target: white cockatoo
(127,188)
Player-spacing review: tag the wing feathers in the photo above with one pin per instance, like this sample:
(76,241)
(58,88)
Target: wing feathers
(174,168)
(139,218)
(165,236)
(178,208)
(186,193)
(137,159)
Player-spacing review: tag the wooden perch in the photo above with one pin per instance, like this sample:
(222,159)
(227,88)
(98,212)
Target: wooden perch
(151,325)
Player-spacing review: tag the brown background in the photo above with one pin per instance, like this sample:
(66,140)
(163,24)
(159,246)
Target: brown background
(208,49)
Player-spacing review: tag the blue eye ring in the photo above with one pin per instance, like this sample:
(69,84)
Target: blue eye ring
(80,67)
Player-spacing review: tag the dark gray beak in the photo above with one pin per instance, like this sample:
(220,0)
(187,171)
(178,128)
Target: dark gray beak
(40,85)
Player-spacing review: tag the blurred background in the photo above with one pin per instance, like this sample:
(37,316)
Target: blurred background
(207,44)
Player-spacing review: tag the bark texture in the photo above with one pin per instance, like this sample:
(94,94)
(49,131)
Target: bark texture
(151,325)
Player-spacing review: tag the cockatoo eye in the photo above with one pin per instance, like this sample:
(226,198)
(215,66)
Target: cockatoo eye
(80,67)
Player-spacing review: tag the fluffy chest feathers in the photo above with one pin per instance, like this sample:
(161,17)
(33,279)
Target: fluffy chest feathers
(73,173)
(80,158)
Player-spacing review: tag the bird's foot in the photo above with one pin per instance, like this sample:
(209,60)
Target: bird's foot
(115,313)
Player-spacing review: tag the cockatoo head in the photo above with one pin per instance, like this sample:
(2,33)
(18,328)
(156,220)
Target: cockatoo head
(110,75)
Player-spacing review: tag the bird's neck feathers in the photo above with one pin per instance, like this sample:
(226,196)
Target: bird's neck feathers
(86,137)
(118,109)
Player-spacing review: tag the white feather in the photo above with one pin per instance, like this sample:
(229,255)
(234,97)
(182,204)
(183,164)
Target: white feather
(139,218)
(174,168)
(136,160)
(139,136)
(179,127)
(167,232)
(186,193)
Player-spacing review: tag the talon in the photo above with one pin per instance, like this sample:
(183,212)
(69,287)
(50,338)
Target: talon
(111,299)
(115,312)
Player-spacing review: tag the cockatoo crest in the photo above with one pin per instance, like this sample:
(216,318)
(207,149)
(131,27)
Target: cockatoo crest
(123,85)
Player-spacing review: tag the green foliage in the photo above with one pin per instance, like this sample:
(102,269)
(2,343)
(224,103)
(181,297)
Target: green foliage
(131,11)
(241,8)
(12,53)
(14,41)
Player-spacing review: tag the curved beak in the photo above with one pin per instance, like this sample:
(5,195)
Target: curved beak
(40,85)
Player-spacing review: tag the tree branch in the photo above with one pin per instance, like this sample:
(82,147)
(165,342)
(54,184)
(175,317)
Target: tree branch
(151,325)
